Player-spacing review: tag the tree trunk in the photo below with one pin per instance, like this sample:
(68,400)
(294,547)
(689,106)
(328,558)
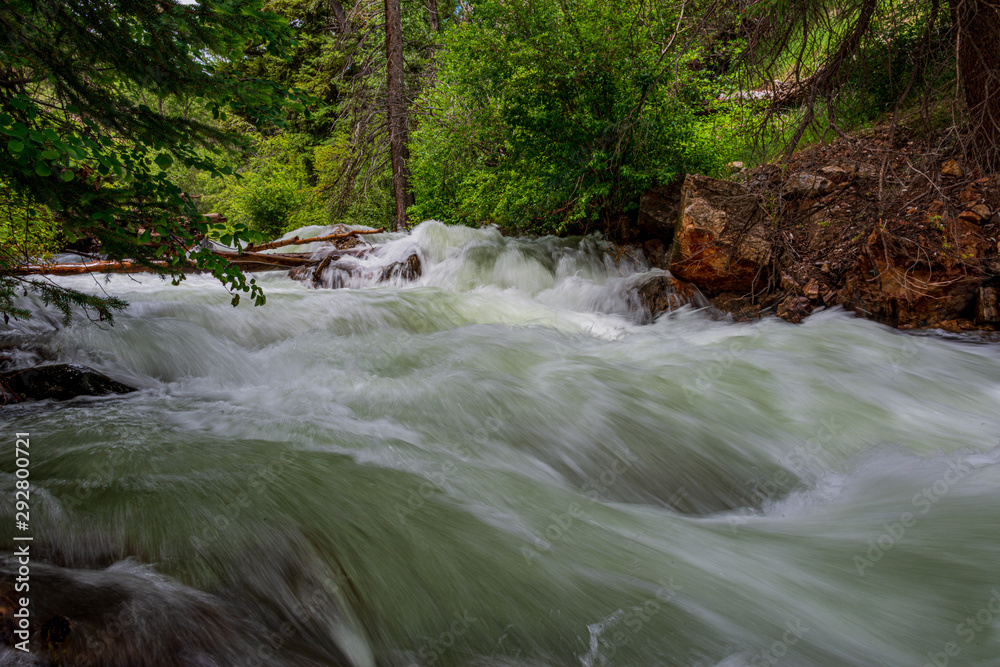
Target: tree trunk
(397,111)
(343,25)
(977,26)
(432,11)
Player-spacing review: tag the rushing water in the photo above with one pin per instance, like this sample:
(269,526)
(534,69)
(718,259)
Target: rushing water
(500,464)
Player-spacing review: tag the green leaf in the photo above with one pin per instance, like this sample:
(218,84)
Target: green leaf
(15,146)
(50,154)
(163,161)
(66,175)
(42,169)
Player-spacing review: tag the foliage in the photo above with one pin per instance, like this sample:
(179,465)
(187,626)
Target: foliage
(548,114)
(77,140)
(276,191)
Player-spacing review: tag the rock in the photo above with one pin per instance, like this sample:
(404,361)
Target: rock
(988,304)
(811,290)
(657,254)
(864,171)
(407,270)
(658,210)
(836,174)
(952,168)
(891,283)
(982,210)
(720,243)
(794,308)
(737,305)
(803,184)
(970,217)
(789,285)
(60,381)
(734,167)
(664,293)
(968,195)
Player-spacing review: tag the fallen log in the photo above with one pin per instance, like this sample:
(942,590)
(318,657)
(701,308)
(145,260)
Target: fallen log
(249,261)
(125,266)
(316,239)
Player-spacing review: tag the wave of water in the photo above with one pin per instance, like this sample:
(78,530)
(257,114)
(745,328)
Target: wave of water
(499,464)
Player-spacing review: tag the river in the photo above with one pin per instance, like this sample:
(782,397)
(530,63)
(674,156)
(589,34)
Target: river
(502,463)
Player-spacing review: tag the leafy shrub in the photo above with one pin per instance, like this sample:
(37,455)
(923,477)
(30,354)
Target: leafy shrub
(548,115)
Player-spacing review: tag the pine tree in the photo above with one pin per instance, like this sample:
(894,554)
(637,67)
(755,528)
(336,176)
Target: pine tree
(78,139)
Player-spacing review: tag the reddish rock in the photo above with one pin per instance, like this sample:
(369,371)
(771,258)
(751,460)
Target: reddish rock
(794,308)
(720,243)
(896,283)
(970,217)
(952,168)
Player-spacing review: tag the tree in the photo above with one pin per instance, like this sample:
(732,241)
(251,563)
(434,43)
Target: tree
(549,116)
(80,142)
(396,111)
(827,43)
(432,13)
(977,30)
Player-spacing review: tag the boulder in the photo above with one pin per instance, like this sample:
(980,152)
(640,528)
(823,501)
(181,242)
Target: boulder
(60,382)
(896,283)
(720,242)
(664,293)
(988,304)
(658,210)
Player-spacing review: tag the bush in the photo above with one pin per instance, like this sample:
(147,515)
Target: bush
(276,191)
(547,116)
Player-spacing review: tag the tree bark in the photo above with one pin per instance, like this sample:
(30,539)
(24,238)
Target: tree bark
(432,11)
(977,27)
(397,112)
(343,25)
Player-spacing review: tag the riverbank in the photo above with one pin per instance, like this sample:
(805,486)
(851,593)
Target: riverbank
(888,224)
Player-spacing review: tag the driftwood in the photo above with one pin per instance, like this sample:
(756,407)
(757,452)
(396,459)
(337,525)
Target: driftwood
(250,259)
(126,266)
(316,239)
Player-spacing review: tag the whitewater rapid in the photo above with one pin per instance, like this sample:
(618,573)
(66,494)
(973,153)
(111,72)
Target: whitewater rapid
(503,463)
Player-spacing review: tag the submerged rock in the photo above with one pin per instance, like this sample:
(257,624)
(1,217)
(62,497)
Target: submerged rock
(664,293)
(60,382)
(408,269)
